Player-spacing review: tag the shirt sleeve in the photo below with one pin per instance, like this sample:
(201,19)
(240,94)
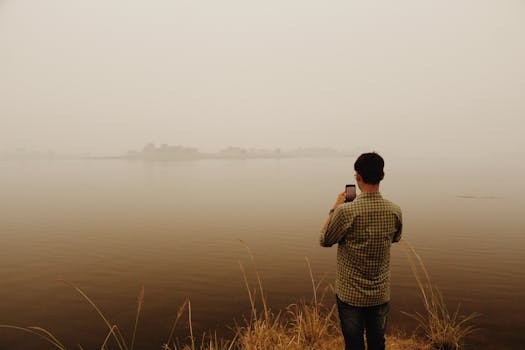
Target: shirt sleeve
(337,228)
(399,227)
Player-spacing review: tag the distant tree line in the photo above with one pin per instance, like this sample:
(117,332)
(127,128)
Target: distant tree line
(164,151)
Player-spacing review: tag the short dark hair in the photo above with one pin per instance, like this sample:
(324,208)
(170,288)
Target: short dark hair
(370,167)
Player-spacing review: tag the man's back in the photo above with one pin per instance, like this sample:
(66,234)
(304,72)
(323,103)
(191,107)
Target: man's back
(364,229)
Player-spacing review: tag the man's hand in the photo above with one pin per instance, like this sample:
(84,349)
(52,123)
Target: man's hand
(341,198)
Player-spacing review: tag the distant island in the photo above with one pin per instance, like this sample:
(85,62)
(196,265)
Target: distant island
(167,152)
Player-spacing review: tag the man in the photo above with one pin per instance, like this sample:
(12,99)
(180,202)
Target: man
(364,230)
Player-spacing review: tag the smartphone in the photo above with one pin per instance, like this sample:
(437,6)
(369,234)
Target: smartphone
(350,193)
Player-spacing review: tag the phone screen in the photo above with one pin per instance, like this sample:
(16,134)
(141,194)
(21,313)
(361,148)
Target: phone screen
(350,193)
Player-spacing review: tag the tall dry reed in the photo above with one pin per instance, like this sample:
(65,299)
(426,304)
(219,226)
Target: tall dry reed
(444,330)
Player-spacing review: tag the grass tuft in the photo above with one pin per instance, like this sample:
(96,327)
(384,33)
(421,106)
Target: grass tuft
(444,330)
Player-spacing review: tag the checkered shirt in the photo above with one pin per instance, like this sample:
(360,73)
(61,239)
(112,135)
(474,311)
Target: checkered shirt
(364,229)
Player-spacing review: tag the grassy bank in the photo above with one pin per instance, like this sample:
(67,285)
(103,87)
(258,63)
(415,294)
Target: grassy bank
(302,326)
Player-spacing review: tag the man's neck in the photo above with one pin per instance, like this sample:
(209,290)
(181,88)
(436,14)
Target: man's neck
(369,188)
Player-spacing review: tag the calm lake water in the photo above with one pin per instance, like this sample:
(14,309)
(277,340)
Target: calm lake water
(111,226)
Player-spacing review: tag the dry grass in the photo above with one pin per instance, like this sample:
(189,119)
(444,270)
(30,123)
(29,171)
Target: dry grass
(307,325)
(444,330)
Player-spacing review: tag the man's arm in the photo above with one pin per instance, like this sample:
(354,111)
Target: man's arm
(335,226)
(399,227)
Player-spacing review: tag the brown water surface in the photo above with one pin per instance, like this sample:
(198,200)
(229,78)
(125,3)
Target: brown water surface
(111,226)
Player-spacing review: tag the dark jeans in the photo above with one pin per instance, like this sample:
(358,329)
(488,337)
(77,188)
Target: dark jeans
(356,320)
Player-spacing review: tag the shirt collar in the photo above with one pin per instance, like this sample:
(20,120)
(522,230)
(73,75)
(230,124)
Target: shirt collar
(370,195)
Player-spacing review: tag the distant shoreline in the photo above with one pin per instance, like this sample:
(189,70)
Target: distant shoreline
(165,152)
(213,157)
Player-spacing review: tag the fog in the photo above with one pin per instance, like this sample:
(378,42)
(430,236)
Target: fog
(402,77)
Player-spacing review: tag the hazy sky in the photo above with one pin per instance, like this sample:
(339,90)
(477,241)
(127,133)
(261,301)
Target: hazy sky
(407,76)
